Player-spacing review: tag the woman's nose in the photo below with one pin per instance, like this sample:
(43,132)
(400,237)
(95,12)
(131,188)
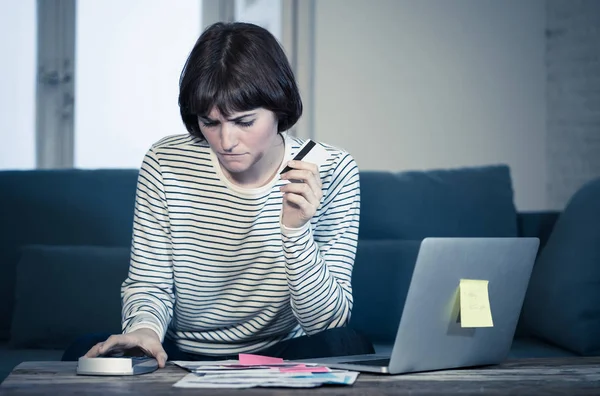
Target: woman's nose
(228,138)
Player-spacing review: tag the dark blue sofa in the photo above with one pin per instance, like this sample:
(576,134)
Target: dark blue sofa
(64,250)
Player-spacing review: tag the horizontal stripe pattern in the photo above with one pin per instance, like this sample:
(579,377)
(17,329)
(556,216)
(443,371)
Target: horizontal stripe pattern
(212,265)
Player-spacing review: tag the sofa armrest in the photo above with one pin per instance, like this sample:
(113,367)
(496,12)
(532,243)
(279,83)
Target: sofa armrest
(537,224)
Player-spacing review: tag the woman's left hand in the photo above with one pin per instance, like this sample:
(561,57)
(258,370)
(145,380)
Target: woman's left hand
(302,196)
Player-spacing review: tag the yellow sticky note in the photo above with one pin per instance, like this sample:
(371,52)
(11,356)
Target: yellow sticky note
(475,304)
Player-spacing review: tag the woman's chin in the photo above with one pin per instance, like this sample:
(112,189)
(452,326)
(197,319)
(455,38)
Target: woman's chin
(236,169)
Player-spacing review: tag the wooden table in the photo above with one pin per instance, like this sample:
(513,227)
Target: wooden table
(557,376)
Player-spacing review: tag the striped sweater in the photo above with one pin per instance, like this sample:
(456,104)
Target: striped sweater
(213,267)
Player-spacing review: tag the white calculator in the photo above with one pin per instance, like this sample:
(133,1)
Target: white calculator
(116,365)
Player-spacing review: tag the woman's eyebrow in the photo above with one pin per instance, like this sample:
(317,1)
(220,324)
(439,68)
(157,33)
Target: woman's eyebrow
(238,118)
(241,117)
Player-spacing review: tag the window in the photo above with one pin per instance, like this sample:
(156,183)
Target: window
(129,56)
(92,84)
(17,79)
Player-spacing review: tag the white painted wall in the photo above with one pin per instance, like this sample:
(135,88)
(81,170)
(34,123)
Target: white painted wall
(406,84)
(265,13)
(573,97)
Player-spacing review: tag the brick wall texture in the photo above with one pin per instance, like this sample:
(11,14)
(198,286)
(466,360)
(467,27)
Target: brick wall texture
(573,96)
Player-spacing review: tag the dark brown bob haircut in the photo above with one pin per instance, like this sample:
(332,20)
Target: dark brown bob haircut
(237,67)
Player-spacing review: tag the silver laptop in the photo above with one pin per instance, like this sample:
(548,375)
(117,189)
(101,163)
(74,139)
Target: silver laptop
(430,335)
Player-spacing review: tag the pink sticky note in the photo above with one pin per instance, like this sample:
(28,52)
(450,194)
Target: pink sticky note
(301,368)
(257,360)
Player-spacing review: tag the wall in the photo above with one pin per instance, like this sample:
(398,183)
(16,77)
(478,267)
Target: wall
(427,84)
(573,101)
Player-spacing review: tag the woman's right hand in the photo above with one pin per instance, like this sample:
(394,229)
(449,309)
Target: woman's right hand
(144,339)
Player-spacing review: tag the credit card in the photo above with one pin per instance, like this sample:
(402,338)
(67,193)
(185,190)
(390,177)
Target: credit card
(311,152)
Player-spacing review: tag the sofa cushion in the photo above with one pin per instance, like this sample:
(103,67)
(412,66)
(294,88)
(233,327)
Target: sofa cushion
(380,279)
(527,348)
(562,305)
(60,207)
(463,202)
(63,292)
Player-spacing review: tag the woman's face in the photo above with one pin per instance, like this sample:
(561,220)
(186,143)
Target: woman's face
(246,143)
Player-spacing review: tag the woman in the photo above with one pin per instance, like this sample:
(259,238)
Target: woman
(229,256)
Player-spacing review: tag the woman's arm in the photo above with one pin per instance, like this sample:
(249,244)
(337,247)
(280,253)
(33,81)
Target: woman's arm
(147,293)
(319,261)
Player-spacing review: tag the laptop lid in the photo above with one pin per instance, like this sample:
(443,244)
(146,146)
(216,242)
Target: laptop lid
(431,334)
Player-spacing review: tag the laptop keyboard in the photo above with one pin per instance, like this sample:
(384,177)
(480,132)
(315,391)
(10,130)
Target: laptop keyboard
(372,362)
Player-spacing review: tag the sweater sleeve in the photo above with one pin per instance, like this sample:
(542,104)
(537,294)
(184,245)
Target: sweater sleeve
(147,292)
(320,256)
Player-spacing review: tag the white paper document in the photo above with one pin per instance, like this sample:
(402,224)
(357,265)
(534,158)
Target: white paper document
(257,371)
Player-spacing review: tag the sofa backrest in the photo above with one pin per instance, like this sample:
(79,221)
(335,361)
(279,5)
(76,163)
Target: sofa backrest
(398,210)
(60,207)
(461,202)
(95,207)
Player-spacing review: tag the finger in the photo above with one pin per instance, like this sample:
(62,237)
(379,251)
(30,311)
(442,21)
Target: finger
(307,166)
(302,189)
(307,177)
(93,352)
(297,174)
(161,358)
(156,350)
(301,202)
(304,166)
(121,341)
(314,168)
(315,187)
(98,349)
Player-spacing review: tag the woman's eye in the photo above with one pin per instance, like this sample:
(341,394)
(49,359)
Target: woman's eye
(209,124)
(245,124)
